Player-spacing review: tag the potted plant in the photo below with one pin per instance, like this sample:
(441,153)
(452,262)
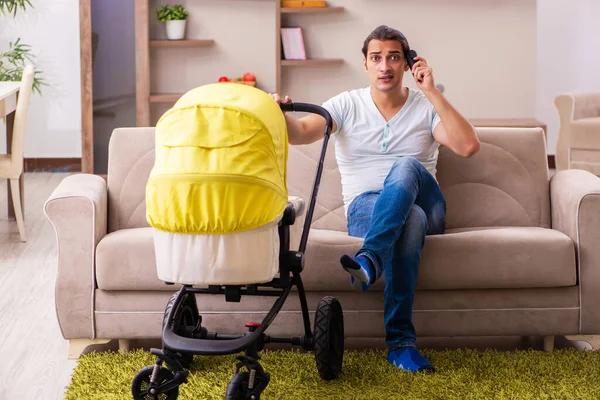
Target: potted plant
(174,18)
(14,60)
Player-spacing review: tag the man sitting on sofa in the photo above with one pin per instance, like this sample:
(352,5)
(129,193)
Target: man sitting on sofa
(386,143)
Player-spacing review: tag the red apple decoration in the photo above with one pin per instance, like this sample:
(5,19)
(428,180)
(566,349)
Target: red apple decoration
(223,79)
(249,77)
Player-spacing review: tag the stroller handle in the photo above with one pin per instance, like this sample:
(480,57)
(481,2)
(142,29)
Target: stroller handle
(309,108)
(314,109)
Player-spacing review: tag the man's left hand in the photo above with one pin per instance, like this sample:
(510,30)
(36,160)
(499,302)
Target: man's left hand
(423,75)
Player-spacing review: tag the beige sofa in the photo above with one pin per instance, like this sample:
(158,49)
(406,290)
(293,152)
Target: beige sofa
(521,254)
(578,145)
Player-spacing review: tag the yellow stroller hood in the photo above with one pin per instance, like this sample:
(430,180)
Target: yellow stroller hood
(221,158)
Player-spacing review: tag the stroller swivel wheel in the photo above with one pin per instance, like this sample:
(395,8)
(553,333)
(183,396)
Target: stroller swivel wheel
(142,389)
(236,390)
(238,386)
(329,338)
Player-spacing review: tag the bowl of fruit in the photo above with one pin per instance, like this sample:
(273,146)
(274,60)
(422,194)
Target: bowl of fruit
(247,79)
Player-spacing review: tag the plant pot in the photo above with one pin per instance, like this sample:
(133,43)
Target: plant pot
(175,29)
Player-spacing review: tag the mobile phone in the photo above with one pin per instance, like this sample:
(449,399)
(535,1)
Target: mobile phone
(409,56)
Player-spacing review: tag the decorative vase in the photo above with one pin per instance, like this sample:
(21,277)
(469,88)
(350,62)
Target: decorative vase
(175,29)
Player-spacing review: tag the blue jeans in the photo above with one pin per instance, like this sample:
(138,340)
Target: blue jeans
(394,221)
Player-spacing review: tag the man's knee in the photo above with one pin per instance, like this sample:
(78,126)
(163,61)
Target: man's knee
(437,218)
(405,168)
(406,163)
(416,222)
(414,230)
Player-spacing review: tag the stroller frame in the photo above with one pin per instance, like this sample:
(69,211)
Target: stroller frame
(183,335)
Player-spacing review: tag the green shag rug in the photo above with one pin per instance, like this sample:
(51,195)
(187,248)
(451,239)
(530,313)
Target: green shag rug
(461,374)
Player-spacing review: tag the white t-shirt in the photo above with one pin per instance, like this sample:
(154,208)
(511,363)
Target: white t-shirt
(366,146)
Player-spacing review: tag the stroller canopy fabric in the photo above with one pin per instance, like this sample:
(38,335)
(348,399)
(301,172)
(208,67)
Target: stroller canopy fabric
(220,162)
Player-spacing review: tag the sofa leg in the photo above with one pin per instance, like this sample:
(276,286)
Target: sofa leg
(123,345)
(549,343)
(77,346)
(593,340)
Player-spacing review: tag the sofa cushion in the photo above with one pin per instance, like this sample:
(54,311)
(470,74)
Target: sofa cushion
(125,261)
(584,133)
(485,258)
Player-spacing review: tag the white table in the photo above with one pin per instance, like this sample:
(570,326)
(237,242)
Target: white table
(9,92)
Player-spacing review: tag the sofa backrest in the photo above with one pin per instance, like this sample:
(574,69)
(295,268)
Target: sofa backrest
(130,160)
(505,184)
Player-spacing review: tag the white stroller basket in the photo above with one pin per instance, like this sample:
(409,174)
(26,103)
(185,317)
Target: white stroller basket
(230,259)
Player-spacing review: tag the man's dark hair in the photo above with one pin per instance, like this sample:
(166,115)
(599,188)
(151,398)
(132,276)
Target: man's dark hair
(384,32)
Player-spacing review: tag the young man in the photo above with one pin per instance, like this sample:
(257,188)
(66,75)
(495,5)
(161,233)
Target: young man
(386,143)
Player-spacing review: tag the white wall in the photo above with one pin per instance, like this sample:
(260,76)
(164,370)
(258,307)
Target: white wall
(244,35)
(568,59)
(482,51)
(54,123)
(587,45)
(470,44)
(516,55)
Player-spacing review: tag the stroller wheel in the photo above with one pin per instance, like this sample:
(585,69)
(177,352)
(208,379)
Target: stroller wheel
(238,386)
(329,338)
(142,389)
(185,321)
(236,390)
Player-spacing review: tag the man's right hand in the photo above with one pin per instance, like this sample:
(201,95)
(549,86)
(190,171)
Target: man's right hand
(278,98)
(305,130)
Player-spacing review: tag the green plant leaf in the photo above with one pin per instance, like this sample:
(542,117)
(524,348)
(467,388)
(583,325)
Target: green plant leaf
(13,62)
(171,13)
(12,6)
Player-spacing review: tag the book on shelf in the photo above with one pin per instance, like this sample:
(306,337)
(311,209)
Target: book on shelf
(293,44)
(303,3)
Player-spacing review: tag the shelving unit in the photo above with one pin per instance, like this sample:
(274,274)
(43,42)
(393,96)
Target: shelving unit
(315,62)
(164,97)
(181,43)
(310,63)
(311,10)
(145,46)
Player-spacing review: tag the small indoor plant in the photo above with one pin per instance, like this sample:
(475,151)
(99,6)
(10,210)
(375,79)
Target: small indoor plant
(18,55)
(12,6)
(174,18)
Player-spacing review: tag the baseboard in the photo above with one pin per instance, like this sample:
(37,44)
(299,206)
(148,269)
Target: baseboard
(52,164)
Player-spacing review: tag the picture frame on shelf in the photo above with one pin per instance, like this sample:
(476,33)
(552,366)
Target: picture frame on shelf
(292,42)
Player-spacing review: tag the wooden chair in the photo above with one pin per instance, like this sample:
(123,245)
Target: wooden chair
(11,164)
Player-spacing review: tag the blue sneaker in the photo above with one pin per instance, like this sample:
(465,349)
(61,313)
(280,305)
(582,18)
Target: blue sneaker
(409,359)
(361,270)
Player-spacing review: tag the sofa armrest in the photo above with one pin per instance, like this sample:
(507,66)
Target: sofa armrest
(77,209)
(573,106)
(575,204)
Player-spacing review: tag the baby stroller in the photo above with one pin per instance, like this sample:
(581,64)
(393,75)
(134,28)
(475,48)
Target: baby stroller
(218,202)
